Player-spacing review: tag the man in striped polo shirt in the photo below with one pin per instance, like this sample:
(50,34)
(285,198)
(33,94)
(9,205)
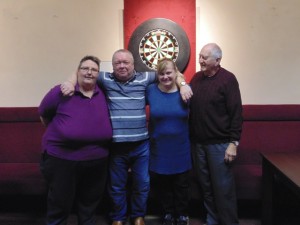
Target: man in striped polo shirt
(125,90)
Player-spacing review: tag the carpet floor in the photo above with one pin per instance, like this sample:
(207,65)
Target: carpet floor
(36,219)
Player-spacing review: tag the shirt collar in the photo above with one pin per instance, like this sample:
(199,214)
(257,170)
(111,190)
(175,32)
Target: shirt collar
(77,90)
(112,76)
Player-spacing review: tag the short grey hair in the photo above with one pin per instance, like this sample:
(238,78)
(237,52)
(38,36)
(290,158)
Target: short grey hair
(215,49)
(123,51)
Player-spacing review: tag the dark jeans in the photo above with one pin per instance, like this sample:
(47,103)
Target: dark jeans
(82,182)
(125,156)
(174,193)
(217,183)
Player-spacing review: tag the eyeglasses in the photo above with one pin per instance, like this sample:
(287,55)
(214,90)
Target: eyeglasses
(87,69)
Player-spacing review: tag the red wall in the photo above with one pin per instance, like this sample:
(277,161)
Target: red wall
(182,12)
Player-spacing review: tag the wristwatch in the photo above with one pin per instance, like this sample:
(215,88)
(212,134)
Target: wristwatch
(236,143)
(182,83)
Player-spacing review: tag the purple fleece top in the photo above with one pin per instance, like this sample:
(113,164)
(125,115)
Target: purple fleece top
(79,127)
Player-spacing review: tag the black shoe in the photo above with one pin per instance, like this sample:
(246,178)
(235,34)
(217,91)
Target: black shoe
(183,220)
(168,220)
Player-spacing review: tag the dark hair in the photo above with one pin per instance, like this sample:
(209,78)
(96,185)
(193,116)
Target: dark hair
(90,57)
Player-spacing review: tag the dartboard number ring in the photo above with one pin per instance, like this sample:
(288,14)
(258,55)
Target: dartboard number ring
(159,38)
(158,44)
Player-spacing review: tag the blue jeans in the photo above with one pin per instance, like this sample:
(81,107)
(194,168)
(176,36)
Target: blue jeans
(125,156)
(217,183)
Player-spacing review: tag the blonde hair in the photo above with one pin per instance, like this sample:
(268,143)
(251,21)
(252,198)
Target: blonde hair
(162,64)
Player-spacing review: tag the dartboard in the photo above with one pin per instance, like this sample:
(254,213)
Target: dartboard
(158,44)
(159,38)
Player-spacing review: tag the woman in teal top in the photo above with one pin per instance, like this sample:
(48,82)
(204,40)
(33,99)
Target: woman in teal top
(170,157)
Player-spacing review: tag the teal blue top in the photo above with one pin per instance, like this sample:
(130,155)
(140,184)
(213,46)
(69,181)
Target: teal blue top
(169,133)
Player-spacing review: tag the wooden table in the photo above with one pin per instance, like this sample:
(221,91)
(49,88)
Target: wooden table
(286,167)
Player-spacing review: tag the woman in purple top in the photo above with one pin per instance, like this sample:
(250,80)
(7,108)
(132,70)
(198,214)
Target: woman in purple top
(75,146)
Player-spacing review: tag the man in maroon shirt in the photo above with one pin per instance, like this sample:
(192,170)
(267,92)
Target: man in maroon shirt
(215,129)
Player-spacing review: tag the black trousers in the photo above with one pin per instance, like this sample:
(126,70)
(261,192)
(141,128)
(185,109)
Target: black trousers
(174,193)
(69,182)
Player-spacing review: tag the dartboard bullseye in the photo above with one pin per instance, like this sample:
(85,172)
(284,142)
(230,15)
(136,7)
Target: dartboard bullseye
(158,44)
(159,38)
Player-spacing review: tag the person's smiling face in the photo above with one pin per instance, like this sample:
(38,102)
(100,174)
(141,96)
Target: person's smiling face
(123,66)
(87,73)
(167,77)
(208,62)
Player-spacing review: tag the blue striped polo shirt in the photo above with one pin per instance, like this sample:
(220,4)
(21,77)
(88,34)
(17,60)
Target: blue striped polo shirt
(126,103)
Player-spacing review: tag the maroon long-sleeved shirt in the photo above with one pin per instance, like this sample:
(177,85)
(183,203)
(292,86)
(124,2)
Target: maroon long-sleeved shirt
(216,108)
